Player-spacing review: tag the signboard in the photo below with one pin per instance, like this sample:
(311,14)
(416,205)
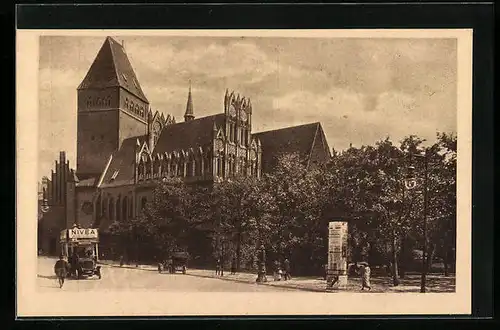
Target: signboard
(337,248)
(79,233)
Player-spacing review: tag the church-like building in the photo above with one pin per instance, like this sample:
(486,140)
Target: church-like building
(123,148)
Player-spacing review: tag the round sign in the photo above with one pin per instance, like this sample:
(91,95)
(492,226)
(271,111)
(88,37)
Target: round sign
(410,183)
(87,207)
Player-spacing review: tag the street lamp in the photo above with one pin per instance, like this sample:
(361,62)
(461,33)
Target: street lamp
(411,183)
(261,275)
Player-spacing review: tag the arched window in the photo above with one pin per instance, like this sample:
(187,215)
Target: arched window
(118,209)
(98,210)
(207,164)
(111,209)
(140,170)
(130,208)
(105,208)
(198,168)
(124,208)
(219,166)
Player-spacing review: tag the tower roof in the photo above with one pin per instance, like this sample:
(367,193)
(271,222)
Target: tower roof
(189,106)
(112,68)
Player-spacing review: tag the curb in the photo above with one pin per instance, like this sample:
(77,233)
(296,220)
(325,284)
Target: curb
(257,283)
(225,279)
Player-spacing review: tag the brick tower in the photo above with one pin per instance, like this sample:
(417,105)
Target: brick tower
(111,108)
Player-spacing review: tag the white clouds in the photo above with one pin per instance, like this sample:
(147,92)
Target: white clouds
(215,61)
(361,90)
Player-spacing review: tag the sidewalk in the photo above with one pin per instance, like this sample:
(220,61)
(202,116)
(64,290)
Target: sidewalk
(299,283)
(435,283)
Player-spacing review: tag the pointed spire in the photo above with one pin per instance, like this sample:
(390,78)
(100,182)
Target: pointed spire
(189,115)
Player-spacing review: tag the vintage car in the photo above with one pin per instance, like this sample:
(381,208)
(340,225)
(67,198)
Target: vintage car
(83,243)
(176,263)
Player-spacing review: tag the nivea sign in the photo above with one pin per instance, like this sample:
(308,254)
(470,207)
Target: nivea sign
(79,233)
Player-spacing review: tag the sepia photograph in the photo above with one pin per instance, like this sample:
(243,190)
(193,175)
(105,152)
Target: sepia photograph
(249,164)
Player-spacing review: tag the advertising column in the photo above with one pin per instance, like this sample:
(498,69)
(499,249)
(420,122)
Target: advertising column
(337,254)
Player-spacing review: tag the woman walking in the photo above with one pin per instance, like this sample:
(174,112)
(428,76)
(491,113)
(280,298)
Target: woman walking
(365,276)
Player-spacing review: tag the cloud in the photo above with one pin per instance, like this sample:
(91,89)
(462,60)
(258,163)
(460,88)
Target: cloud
(361,90)
(213,61)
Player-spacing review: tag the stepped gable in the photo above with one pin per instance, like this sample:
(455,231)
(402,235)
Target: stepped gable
(190,134)
(297,139)
(123,161)
(112,68)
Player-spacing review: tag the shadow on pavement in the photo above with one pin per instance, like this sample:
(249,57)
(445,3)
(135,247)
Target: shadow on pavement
(50,277)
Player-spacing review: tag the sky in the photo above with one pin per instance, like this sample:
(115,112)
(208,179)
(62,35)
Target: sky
(360,90)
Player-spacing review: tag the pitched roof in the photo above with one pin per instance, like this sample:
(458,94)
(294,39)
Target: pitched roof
(190,134)
(112,68)
(297,139)
(90,182)
(121,169)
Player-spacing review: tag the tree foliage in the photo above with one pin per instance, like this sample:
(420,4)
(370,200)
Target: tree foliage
(288,210)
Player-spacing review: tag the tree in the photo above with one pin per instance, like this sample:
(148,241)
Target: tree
(296,213)
(233,203)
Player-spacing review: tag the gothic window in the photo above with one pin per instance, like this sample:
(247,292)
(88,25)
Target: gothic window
(143,203)
(230,132)
(137,109)
(126,103)
(130,208)
(235,134)
(111,209)
(188,167)
(207,164)
(108,103)
(179,168)
(124,207)
(98,210)
(140,170)
(217,166)
(132,105)
(105,208)
(89,102)
(118,209)
(198,167)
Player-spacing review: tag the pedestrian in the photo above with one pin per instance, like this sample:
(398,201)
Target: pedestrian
(365,276)
(61,269)
(121,261)
(286,265)
(277,270)
(233,266)
(217,267)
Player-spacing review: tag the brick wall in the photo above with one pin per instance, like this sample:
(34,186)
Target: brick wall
(97,138)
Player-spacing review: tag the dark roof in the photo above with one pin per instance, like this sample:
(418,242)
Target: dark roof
(123,162)
(190,134)
(296,139)
(112,68)
(90,182)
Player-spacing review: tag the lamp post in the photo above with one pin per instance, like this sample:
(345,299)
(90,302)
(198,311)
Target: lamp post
(261,275)
(410,183)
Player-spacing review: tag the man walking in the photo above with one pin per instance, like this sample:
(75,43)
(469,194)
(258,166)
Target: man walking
(286,266)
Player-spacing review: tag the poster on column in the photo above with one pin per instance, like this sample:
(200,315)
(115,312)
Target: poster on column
(337,247)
